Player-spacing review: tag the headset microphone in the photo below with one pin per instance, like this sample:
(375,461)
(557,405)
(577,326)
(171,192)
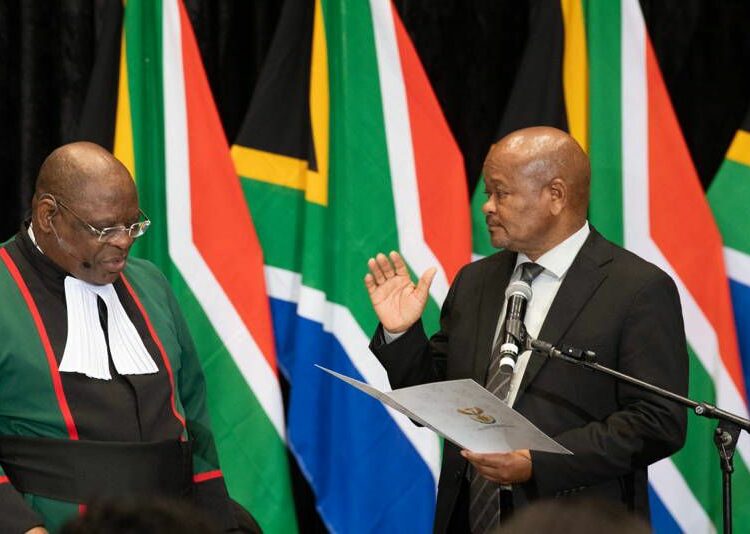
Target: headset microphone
(65,246)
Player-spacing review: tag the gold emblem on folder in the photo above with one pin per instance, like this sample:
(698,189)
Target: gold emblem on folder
(477,414)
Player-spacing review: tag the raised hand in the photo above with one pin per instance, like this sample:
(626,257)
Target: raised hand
(397,302)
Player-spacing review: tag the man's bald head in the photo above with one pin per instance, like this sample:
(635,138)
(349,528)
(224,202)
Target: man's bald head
(81,190)
(537,182)
(81,172)
(543,153)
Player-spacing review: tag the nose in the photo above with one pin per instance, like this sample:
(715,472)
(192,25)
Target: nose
(488,206)
(121,239)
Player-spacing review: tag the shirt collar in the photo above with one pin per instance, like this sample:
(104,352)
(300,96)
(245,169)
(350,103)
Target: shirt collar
(557,260)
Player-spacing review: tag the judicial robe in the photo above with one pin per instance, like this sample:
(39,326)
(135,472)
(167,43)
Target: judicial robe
(36,400)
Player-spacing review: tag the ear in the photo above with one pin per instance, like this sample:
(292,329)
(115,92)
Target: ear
(558,191)
(44,209)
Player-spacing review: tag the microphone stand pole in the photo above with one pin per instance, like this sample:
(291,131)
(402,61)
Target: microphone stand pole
(725,436)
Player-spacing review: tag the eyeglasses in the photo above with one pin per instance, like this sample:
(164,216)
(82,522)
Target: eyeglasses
(105,235)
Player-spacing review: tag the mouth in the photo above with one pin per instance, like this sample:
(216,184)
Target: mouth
(115,265)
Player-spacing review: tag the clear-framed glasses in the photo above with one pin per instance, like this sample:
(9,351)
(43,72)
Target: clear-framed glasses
(105,235)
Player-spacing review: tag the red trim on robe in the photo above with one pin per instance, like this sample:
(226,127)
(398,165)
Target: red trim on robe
(209,475)
(165,359)
(51,360)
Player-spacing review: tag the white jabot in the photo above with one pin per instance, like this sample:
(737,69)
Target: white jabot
(86,348)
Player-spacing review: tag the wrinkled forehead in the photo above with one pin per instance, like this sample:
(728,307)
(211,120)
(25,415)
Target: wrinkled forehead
(512,167)
(110,201)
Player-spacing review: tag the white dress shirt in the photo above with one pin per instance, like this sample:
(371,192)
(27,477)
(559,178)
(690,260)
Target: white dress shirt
(556,263)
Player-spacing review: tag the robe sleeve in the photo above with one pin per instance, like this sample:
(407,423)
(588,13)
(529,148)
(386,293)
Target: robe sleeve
(15,514)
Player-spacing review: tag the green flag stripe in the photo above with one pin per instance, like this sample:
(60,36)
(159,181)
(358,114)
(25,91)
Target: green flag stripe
(241,427)
(239,422)
(143,37)
(698,460)
(355,113)
(279,217)
(605,210)
(480,237)
(728,196)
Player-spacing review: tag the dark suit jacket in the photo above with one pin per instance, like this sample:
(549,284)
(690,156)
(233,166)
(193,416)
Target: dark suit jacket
(611,301)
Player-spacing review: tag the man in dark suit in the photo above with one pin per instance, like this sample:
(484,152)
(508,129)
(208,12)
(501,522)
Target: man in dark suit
(588,293)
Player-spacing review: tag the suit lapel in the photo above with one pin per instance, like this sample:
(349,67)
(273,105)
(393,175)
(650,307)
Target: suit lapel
(585,275)
(493,296)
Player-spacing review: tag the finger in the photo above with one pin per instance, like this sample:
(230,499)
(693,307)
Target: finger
(398,263)
(477,459)
(376,271)
(489,473)
(370,283)
(425,281)
(385,265)
(490,459)
(474,457)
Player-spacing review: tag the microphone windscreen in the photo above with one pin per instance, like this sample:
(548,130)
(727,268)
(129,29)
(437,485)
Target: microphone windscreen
(519,287)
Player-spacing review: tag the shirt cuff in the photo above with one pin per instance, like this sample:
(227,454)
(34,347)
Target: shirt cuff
(391,336)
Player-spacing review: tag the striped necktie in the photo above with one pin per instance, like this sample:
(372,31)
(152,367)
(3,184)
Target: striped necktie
(484,504)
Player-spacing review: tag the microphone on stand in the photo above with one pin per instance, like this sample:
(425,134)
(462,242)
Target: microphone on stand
(518,295)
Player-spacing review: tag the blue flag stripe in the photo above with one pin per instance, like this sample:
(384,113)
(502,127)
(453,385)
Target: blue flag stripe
(662,521)
(378,482)
(741,304)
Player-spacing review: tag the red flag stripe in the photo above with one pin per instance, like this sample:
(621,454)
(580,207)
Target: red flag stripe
(220,218)
(694,249)
(441,179)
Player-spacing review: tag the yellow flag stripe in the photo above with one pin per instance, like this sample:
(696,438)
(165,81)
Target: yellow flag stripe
(123,148)
(739,150)
(575,71)
(292,172)
(317,183)
(271,168)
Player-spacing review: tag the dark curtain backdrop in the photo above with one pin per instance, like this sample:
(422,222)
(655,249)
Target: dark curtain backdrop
(470,49)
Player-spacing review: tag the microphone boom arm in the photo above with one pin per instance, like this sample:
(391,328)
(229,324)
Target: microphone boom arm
(725,436)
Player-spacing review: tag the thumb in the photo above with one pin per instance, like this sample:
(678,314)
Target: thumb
(425,281)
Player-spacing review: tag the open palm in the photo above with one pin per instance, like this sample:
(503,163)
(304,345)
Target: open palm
(397,302)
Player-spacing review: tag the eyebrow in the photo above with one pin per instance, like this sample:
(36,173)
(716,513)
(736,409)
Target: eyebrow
(111,223)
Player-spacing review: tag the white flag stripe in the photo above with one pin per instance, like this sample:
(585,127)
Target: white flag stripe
(635,197)
(246,354)
(677,497)
(338,320)
(636,221)
(412,243)
(699,331)
(738,265)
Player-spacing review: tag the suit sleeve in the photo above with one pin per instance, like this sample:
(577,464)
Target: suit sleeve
(209,489)
(412,359)
(15,514)
(646,427)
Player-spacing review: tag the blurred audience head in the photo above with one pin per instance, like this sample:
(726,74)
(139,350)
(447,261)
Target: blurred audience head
(582,516)
(139,516)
